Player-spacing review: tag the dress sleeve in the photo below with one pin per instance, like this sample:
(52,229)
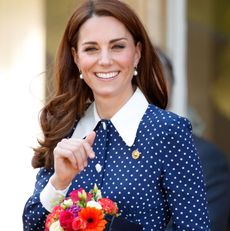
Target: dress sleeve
(34,214)
(183,178)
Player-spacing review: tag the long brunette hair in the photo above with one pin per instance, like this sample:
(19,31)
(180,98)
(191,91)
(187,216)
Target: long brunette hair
(72,94)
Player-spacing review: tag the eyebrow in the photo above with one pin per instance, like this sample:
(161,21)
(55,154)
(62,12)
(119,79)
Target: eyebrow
(111,41)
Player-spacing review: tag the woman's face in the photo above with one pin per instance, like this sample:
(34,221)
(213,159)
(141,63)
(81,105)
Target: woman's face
(106,55)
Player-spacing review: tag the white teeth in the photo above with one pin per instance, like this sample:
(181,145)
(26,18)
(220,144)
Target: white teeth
(106,75)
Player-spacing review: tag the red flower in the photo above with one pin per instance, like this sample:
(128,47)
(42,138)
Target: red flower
(78,224)
(93,218)
(73,214)
(108,206)
(74,195)
(52,217)
(66,218)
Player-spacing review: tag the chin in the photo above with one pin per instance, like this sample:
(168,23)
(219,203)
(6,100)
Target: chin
(105,93)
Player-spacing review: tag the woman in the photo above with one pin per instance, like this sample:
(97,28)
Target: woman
(107,125)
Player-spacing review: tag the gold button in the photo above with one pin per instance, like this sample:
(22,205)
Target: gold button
(136,154)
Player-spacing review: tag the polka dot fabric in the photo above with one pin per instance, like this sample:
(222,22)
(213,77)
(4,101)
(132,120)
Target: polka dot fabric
(165,181)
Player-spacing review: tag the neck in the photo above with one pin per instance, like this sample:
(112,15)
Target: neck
(107,107)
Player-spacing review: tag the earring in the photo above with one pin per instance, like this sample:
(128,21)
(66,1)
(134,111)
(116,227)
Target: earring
(135,73)
(81,75)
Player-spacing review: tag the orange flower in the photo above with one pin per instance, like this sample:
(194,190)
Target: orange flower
(52,217)
(93,218)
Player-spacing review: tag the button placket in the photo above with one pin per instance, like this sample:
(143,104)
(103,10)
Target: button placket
(100,160)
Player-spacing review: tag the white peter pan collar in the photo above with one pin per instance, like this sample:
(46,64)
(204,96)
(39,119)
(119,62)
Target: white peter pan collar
(126,120)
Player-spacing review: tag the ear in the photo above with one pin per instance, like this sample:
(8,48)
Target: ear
(138,53)
(75,56)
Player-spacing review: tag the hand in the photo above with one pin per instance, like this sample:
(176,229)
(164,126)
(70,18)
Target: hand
(70,158)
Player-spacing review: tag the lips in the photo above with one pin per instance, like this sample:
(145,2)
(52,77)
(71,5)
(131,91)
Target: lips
(107,75)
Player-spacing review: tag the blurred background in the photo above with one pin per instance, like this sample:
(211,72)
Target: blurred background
(195,34)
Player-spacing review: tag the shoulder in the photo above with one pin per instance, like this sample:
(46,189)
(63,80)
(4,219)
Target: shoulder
(165,119)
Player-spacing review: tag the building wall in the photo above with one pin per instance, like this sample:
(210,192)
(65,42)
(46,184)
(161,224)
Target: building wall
(22,45)
(208,67)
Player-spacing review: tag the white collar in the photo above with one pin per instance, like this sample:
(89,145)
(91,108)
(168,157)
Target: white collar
(126,120)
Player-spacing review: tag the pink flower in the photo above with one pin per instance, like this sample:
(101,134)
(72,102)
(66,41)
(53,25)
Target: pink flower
(108,206)
(78,224)
(79,195)
(66,219)
(74,195)
(81,211)
(52,217)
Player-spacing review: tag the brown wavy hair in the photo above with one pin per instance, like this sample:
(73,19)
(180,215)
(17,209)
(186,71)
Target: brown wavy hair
(72,94)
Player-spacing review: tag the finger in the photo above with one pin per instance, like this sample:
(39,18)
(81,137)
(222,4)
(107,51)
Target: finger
(81,157)
(67,149)
(81,148)
(88,150)
(80,154)
(90,138)
(63,153)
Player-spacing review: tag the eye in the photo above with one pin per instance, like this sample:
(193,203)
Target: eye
(90,49)
(118,46)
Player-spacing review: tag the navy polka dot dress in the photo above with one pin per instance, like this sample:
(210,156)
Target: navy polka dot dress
(157,178)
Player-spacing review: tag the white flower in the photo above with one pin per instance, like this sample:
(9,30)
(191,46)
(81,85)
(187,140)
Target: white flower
(56,226)
(94,204)
(67,203)
(97,193)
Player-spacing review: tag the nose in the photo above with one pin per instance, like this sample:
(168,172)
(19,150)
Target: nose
(105,58)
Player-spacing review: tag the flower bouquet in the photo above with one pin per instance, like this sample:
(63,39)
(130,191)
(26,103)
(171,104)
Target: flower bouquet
(82,211)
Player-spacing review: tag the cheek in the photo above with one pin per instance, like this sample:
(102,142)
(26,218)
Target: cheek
(86,62)
(126,60)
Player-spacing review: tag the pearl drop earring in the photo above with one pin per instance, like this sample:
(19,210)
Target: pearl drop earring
(135,73)
(81,75)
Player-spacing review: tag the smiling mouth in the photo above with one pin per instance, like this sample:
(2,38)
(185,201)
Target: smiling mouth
(107,75)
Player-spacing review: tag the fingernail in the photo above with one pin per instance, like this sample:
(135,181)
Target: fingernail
(92,155)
